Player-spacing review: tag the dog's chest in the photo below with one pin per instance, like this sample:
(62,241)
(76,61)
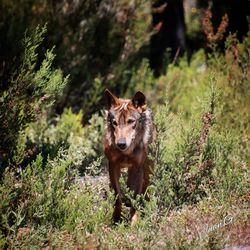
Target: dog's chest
(125,163)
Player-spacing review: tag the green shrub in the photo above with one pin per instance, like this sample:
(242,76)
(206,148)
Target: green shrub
(33,87)
(81,145)
(51,196)
(194,159)
(186,84)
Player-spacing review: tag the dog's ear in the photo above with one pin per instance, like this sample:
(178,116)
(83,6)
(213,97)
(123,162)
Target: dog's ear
(111,99)
(139,100)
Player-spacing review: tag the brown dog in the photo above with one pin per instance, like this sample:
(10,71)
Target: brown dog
(129,131)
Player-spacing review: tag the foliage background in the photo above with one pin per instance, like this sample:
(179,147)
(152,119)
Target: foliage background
(56,60)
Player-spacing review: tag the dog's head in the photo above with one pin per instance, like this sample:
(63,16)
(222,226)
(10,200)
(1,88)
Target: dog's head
(125,119)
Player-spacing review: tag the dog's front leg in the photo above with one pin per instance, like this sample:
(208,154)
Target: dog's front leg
(135,183)
(114,175)
(148,170)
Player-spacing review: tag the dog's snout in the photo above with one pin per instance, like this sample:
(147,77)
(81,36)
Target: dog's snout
(121,144)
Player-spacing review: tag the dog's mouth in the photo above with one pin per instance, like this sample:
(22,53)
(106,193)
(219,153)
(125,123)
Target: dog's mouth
(122,147)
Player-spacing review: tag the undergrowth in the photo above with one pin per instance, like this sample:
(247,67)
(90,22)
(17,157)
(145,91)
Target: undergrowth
(54,193)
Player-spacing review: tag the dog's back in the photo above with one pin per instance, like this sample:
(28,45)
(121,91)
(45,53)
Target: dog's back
(128,132)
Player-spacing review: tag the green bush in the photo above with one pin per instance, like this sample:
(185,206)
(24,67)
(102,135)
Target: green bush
(81,145)
(32,88)
(50,196)
(193,159)
(186,84)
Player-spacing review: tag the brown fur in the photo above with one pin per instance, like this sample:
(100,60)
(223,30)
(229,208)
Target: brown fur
(128,133)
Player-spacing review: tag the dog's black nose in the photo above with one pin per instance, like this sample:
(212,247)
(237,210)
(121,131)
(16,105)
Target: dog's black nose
(121,144)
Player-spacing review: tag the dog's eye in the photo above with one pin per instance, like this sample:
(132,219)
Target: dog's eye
(114,123)
(130,121)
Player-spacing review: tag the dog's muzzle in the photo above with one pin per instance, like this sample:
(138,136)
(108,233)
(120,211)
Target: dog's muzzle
(121,144)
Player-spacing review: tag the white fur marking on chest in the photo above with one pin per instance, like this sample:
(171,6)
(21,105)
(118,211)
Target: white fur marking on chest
(126,165)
